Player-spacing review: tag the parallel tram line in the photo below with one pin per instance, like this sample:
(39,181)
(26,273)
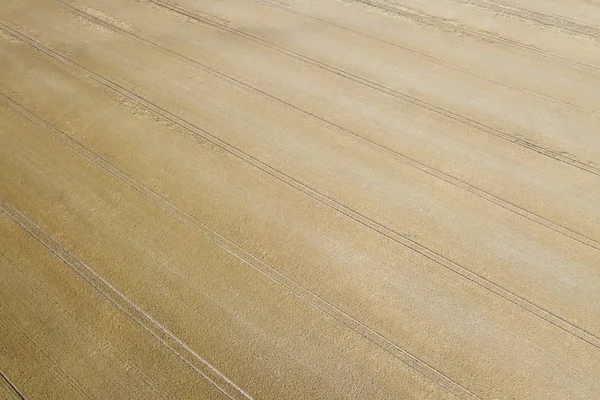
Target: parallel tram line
(485,36)
(558,228)
(430,58)
(561,23)
(89,334)
(139,316)
(241,254)
(431,255)
(10,387)
(556,155)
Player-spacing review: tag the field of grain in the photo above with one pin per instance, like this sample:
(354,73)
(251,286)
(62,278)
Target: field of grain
(300,199)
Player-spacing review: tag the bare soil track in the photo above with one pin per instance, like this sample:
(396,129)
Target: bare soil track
(302,199)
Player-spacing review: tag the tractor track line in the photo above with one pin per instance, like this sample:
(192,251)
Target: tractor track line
(507,205)
(10,387)
(556,155)
(89,335)
(564,24)
(555,22)
(143,319)
(246,257)
(485,36)
(432,59)
(439,259)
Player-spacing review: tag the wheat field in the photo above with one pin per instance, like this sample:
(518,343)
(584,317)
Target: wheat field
(300,199)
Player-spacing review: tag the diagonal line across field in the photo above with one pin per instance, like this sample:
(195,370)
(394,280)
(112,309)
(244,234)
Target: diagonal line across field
(10,387)
(141,317)
(89,333)
(507,205)
(429,254)
(412,14)
(556,155)
(553,21)
(432,59)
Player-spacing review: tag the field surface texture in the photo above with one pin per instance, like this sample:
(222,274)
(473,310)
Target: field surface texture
(300,199)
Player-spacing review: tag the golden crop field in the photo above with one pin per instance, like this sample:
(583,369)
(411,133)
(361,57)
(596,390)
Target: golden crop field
(300,199)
